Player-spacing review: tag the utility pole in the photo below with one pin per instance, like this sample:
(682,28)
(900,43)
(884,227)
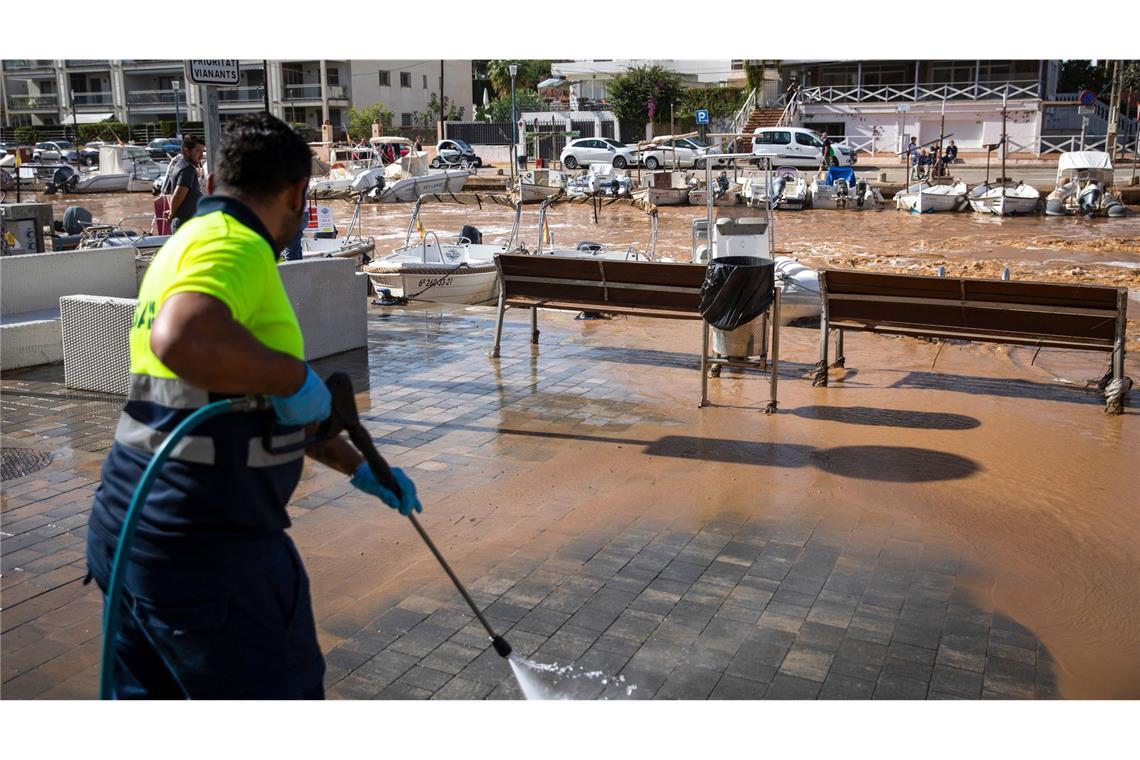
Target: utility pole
(1113,111)
(441,129)
(514,70)
(177,108)
(265,82)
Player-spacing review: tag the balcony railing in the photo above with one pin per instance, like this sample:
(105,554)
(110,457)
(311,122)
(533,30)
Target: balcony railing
(14,65)
(81,62)
(156,97)
(88,99)
(241,94)
(48,102)
(313,92)
(152,62)
(888,93)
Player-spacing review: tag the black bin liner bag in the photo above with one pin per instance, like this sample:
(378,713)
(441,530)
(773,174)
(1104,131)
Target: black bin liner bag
(736,290)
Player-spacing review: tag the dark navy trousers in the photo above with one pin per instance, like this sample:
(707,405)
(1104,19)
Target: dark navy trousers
(230,621)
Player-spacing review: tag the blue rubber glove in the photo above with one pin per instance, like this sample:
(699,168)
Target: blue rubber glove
(312,402)
(367,482)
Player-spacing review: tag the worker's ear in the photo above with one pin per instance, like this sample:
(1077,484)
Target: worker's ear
(210,184)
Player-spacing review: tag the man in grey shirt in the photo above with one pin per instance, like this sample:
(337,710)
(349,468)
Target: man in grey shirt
(182,181)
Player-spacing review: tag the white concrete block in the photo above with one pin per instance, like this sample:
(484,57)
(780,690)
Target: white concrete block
(38,280)
(331,304)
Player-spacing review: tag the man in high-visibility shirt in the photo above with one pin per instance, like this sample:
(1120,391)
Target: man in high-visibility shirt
(216,601)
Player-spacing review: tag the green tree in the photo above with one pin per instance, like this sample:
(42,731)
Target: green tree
(721,102)
(430,115)
(1077,74)
(499,109)
(360,122)
(645,93)
(529,75)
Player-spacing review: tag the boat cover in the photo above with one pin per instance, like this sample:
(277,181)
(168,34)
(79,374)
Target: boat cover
(840,172)
(1084,159)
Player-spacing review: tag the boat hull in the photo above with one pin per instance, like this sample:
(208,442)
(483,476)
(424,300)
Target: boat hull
(1008,206)
(470,285)
(409,189)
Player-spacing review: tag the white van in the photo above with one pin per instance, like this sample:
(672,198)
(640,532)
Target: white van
(796,146)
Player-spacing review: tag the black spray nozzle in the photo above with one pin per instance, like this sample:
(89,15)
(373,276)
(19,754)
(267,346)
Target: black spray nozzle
(501,646)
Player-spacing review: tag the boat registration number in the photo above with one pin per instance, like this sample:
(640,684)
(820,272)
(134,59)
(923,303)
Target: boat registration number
(435,282)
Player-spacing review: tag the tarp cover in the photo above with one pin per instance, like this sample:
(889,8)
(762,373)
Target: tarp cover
(736,290)
(845,173)
(1084,159)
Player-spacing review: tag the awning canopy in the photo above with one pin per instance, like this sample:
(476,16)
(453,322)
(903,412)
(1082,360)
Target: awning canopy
(1084,159)
(90,118)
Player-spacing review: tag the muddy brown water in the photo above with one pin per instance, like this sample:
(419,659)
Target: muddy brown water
(1050,513)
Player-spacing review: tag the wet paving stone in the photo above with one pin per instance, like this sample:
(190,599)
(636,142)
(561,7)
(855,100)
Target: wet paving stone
(749,604)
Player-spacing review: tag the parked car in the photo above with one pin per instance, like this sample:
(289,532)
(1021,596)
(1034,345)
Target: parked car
(597,150)
(796,146)
(89,153)
(55,150)
(163,147)
(687,152)
(455,153)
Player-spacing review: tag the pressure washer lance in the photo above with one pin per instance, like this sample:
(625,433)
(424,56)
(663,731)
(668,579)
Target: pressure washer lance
(344,417)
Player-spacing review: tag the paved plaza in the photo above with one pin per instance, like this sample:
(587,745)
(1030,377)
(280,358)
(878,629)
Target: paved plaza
(879,539)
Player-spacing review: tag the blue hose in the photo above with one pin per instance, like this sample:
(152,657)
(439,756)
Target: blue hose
(112,612)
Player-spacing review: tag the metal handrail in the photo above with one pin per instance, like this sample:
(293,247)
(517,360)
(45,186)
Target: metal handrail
(740,118)
(437,245)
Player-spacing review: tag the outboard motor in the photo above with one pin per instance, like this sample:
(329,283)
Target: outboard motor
(1054,207)
(589,246)
(777,191)
(64,179)
(472,234)
(75,220)
(1089,200)
(721,185)
(860,193)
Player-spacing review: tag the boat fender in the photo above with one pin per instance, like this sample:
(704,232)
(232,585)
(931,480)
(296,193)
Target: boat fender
(1115,208)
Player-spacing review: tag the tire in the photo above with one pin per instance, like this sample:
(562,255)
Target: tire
(570,162)
(651,163)
(699,163)
(464,164)
(435,162)
(620,162)
(478,163)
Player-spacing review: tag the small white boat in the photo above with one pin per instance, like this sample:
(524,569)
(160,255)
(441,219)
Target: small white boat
(1084,182)
(122,168)
(1005,198)
(795,193)
(537,185)
(600,180)
(835,188)
(666,188)
(925,198)
(354,169)
(725,192)
(462,271)
(352,247)
(409,178)
(589,249)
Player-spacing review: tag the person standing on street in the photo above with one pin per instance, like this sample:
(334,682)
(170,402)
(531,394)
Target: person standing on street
(216,600)
(183,183)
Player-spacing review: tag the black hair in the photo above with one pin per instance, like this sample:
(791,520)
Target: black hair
(190,142)
(260,155)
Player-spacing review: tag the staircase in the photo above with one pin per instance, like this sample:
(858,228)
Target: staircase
(760,117)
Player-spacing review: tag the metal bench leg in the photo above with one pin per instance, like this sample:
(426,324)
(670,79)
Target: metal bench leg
(704,363)
(1119,386)
(775,377)
(494,352)
(534,325)
(840,359)
(820,376)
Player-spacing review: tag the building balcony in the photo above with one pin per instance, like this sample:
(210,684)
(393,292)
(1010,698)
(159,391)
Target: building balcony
(26,65)
(163,98)
(234,96)
(87,63)
(313,92)
(92,99)
(913,93)
(155,64)
(34,103)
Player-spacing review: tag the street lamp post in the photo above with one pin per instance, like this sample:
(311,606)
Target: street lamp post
(514,69)
(177,110)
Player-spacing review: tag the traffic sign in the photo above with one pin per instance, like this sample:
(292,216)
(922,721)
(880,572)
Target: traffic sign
(1087,97)
(702,116)
(214,72)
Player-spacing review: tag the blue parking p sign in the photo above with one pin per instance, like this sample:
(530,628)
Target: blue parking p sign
(702,116)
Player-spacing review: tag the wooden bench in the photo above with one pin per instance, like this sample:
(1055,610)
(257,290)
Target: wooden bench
(1045,315)
(636,288)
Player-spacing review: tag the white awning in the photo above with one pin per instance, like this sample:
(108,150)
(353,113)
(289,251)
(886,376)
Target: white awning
(1084,159)
(90,118)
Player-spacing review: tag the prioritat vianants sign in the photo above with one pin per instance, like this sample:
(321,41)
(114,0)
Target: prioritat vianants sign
(214,71)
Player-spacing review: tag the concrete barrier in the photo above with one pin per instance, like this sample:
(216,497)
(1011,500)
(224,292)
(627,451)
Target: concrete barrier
(331,303)
(31,286)
(328,296)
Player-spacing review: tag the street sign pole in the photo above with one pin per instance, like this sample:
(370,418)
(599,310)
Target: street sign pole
(210,74)
(213,126)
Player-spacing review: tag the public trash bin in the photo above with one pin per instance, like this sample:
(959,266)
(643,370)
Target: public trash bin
(734,299)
